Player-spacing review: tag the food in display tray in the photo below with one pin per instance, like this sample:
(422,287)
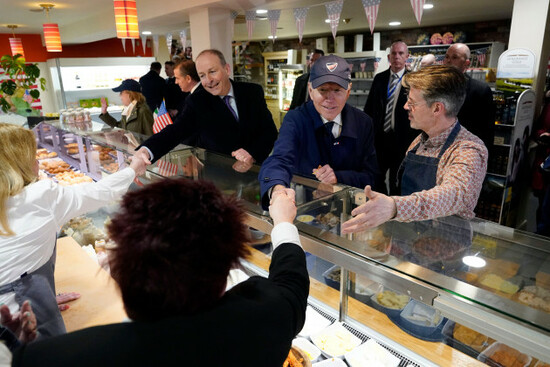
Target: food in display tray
(390,302)
(335,341)
(296,358)
(72,178)
(371,354)
(501,355)
(464,339)
(420,319)
(331,362)
(43,153)
(496,282)
(536,297)
(314,323)
(54,166)
(312,352)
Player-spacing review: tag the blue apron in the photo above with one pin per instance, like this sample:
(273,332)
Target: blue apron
(39,288)
(417,172)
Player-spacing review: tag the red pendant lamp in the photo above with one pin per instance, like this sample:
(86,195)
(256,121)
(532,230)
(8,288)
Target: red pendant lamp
(52,38)
(15,43)
(126,19)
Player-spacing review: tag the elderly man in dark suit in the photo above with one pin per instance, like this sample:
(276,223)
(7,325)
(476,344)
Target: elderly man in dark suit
(224,116)
(385,102)
(478,111)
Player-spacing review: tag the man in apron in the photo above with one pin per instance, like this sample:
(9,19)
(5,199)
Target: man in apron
(443,171)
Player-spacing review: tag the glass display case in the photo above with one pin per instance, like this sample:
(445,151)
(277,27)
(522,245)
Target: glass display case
(440,292)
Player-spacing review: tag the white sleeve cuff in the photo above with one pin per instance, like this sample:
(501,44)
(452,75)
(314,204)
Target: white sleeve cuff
(284,233)
(151,156)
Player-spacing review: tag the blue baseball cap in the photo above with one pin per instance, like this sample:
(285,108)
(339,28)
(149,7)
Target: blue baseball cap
(328,69)
(128,84)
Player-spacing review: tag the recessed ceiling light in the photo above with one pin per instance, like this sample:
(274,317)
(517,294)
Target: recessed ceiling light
(271,37)
(428,6)
(146,33)
(261,11)
(394,24)
(327,20)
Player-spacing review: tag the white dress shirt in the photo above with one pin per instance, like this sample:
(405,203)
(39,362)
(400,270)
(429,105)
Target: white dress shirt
(39,211)
(396,93)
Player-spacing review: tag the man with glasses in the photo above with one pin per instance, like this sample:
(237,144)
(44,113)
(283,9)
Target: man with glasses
(445,165)
(325,138)
(385,107)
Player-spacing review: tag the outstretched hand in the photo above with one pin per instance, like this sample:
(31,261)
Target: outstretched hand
(282,207)
(64,298)
(22,324)
(377,210)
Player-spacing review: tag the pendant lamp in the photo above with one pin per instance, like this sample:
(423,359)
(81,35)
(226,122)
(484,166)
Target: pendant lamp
(15,43)
(126,19)
(52,38)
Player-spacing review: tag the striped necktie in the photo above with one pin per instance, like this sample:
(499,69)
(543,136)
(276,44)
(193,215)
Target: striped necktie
(389,104)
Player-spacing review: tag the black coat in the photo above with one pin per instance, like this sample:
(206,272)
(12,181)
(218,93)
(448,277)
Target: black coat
(300,91)
(174,96)
(253,324)
(153,88)
(206,122)
(392,146)
(478,111)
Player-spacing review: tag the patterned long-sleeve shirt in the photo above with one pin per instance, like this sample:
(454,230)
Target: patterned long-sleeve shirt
(459,179)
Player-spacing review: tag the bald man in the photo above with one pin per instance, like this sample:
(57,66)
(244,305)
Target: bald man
(478,111)
(427,60)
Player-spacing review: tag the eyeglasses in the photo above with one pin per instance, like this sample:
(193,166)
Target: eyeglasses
(413,105)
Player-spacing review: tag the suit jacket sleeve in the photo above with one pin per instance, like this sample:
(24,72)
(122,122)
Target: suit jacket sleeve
(299,92)
(277,169)
(166,139)
(288,270)
(264,133)
(109,120)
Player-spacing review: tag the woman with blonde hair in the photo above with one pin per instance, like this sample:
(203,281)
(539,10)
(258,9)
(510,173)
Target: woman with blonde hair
(136,115)
(31,213)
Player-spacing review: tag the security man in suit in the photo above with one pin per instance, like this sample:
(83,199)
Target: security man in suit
(223,116)
(385,102)
(300,92)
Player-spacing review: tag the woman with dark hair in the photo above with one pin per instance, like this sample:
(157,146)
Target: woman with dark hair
(177,241)
(136,115)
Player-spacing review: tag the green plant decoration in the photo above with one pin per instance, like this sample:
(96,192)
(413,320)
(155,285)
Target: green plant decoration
(16,94)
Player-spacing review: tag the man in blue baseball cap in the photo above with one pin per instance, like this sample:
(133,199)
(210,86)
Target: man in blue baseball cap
(325,139)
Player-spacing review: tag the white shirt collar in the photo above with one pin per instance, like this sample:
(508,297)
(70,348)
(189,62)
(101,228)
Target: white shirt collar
(399,73)
(194,88)
(337,120)
(230,93)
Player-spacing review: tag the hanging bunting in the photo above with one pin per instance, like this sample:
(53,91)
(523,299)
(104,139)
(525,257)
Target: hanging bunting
(273,16)
(123,40)
(233,17)
(300,16)
(156,44)
(418,8)
(334,9)
(250,19)
(371,11)
(183,38)
(133,46)
(169,42)
(143,43)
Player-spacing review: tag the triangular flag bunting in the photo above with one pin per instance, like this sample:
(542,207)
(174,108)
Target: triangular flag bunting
(273,16)
(169,42)
(156,44)
(371,11)
(133,46)
(144,43)
(418,8)
(250,19)
(334,9)
(123,40)
(300,16)
(233,17)
(183,38)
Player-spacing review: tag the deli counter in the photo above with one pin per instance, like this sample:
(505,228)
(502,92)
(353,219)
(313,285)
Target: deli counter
(472,289)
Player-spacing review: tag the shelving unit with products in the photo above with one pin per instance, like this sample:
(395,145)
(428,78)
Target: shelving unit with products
(248,65)
(363,65)
(272,63)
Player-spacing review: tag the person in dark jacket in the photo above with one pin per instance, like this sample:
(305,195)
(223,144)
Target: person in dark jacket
(153,86)
(326,138)
(171,265)
(300,94)
(174,96)
(136,116)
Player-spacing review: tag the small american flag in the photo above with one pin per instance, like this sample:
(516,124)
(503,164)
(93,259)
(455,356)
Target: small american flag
(371,11)
(418,8)
(333,12)
(162,120)
(481,59)
(166,168)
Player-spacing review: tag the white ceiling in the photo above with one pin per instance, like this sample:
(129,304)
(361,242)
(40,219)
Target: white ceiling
(82,21)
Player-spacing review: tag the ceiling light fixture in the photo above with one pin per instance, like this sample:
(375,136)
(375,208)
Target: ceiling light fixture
(16,45)
(261,11)
(271,37)
(52,38)
(126,19)
(428,6)
(394,24)
(327,20)
(146,33)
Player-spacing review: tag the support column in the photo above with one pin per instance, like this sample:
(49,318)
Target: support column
(211,28)
(530,29)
